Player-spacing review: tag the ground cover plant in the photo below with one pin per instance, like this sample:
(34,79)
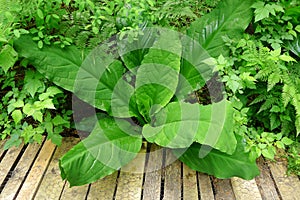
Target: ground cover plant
(149,83)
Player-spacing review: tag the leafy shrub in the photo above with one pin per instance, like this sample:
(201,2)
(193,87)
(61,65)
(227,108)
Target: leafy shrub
(143,95)
(261,77)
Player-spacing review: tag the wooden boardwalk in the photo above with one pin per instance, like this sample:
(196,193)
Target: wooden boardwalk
(31,172)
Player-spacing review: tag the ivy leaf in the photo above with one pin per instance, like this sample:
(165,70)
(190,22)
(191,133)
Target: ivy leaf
(17,116)
(111,145)
(8,57)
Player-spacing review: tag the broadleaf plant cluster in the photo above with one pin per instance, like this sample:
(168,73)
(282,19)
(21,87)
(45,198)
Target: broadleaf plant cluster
(143,93)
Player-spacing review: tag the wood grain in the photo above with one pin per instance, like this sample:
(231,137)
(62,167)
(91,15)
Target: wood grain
(19,173)
(205,187)
(52,177)
(289,186)
(8,161)
(36,173)
(151,188)
(172,177)
(245,189)
(265,182)
(130,181)
(190,189)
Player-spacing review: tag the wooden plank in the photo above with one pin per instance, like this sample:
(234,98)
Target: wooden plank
(289,186)
(130,181)
(76,192)
(19,172)
(172,177)
(244,189)
(223,189)
(36,173)
(265,182)
(2,142)
(151,188)
(8,161)
(103,188)
(190,190)
(52,177)
(205,187)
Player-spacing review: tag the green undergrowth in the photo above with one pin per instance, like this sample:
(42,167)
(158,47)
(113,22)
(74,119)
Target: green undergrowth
(253,52)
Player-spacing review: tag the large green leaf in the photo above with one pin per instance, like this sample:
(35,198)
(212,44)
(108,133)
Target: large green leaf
(230,18)
(157,77)
(111,145)
(179,124)
(217,163)
(58,65)
(92,80)
(294,46)
(132,52)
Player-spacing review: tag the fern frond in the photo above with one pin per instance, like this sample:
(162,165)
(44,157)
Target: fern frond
(267,105)
(258,99)
(273,79)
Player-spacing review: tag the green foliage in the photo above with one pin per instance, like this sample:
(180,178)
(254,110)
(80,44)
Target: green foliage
(28,108)
(261,77)
(143,98)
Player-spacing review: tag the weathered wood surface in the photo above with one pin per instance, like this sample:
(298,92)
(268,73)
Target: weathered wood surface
(31,172)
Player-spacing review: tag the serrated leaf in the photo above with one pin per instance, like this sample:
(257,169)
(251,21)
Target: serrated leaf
(8,57)
(287,58)
(32,82)
(58,120)
(28,110)
(55,138)
(217,163)
(38,115)
(111,145)
(178,125)
(17,116)
(287,141)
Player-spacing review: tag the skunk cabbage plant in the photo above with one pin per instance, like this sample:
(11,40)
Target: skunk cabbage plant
(141,88)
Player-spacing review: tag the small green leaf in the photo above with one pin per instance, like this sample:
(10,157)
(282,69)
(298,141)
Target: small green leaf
(58,120)
(40,44)
(287,58)
(18,104)
(279,144)
(17,33)
(297,28)
(40,13)
(268,153)
(286,141)
(14,140)
(38,115)
(17,116)
(48,104)
(28,110)
(8,57)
